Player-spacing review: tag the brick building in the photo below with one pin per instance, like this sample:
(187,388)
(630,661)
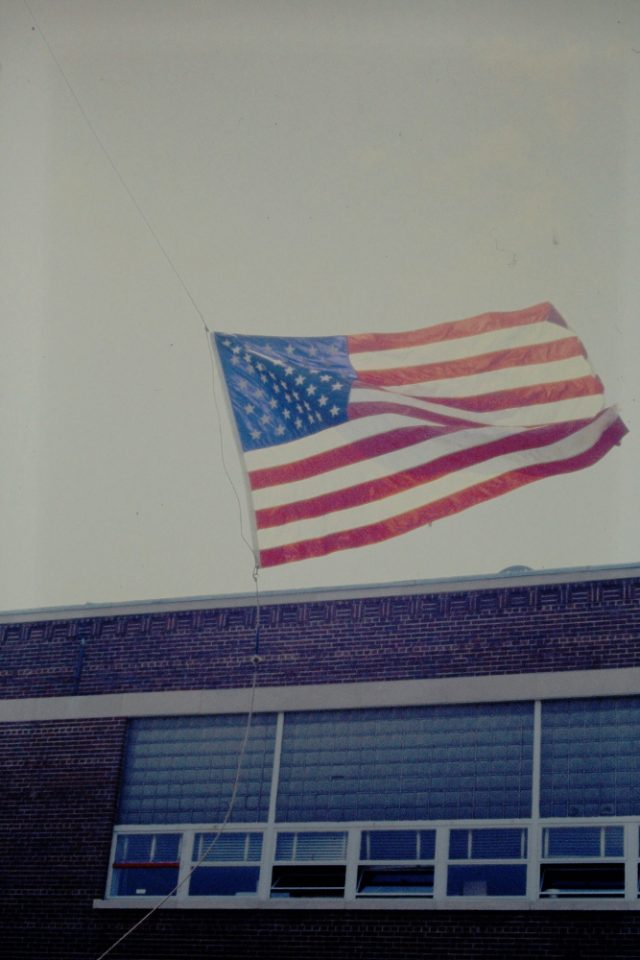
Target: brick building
(444,769)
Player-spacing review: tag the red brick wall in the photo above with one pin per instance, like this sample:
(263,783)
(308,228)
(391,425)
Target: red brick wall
(60,779)
(57,805)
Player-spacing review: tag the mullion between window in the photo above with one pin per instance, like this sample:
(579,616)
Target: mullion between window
(269,836)
(187,853)
(533,841)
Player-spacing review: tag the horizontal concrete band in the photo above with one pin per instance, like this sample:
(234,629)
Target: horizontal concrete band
(489,689)
(591,904)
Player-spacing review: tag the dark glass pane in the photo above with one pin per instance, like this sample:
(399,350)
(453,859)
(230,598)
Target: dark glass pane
(459,845)
(582,880)
(498,844)
(308,881)
(395,882)
(143,881)
(285,846)
(223,881)
(572,842)
(613,842)
(489,844)
(487,880)
(167,846)
(389,845)
(134,846)
(427,844)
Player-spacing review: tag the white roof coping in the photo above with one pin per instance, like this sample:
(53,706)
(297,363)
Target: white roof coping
(512,576)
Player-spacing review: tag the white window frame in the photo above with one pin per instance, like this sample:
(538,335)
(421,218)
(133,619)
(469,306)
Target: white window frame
(534,824)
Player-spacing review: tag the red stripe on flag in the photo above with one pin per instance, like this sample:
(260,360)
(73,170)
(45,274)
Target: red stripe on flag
(468,366)
(350,453)
(395,483)
(484,323)
(524,396)
(479,493)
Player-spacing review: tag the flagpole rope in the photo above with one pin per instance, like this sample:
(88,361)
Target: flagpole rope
(255,659)
(218,828)
(115,168)
(161,247)
(222,456)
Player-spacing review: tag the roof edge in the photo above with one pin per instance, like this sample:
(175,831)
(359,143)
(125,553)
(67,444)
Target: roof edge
(509,577)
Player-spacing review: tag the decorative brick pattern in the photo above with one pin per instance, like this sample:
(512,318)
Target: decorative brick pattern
(585,625)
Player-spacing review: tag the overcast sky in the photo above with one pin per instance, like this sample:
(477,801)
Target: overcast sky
(319,167)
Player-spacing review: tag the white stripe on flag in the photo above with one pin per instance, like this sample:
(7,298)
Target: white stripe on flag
(477,384)
(575,408)
(329,439)
(391,506)
(462,347)
(381,466)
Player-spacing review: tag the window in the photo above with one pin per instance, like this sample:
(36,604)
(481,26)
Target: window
(182,769)
(590,760)
(145,864)
(411,763)
(489,862)
(396,863)
(309,865)
(582,862)
(226,864)
(405,803)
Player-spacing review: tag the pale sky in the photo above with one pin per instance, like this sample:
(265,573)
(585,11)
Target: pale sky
(310,167)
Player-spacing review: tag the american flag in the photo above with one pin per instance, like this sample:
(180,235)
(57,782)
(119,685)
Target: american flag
(351,440)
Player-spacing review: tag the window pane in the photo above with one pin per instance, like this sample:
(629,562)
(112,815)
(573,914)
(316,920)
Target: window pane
(489,844)
(182,769)
(311,846)
(389,845)
(285,846)
(589,757)
(613,842)
(427,844)
(487,880)
(459,844)
(395,882)
(147,847)
(167,846)
(407,763)
(499,844)
(582,880)
(223,881)
(227,846)
(594,842)
(134,846)
(143,881)
(308,881)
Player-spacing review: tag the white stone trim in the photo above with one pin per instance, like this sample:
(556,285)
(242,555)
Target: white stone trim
(591,904)
(497,581)
(486,689)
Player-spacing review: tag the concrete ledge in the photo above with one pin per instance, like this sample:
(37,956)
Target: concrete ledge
(489,689)
(590,904)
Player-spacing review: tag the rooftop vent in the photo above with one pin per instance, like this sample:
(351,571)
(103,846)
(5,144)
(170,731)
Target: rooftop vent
(515,570)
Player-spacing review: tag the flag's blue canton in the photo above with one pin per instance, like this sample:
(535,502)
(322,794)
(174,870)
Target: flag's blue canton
(284,388)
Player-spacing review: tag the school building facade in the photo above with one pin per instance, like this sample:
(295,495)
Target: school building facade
(444,769)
